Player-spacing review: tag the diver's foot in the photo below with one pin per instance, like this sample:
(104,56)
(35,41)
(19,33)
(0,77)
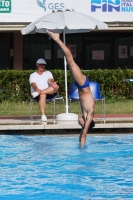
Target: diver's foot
(54,36)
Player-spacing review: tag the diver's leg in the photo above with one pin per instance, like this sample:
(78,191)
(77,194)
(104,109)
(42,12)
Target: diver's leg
(74,68)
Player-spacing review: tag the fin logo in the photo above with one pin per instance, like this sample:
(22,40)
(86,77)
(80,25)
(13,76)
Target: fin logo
(112,5)
(42,4)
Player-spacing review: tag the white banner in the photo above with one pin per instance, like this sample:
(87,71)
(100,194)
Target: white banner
(29,10)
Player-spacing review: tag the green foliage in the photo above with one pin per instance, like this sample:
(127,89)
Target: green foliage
(14,84)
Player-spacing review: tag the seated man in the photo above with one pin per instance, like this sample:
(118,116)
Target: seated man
(42,85)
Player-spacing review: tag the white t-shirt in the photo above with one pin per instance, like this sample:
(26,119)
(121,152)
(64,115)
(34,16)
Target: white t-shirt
(40,80)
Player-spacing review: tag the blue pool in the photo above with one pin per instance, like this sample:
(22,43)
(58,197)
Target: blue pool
(55,168)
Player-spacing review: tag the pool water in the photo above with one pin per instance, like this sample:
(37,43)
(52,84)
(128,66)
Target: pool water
(55,168)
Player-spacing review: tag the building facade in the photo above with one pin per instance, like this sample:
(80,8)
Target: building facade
(105,49)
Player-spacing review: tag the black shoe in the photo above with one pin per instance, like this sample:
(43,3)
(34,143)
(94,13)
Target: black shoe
(92,124)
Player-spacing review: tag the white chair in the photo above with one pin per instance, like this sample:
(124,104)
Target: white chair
(53,99)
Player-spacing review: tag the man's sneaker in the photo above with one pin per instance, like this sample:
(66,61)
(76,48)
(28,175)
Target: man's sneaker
(44,118)
(35,94)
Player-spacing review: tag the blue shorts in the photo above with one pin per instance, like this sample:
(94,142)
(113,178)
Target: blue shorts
(86,84)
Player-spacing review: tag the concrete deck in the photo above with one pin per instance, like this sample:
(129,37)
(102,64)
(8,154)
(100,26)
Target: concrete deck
(113,122)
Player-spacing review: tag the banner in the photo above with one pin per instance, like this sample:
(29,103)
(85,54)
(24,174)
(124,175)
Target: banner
(29,10)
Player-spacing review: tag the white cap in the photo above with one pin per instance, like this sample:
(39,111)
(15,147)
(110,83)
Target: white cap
(41,61)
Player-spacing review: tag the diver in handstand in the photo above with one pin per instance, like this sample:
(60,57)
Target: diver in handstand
(82,82)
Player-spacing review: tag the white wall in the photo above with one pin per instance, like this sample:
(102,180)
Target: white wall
(29,10)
